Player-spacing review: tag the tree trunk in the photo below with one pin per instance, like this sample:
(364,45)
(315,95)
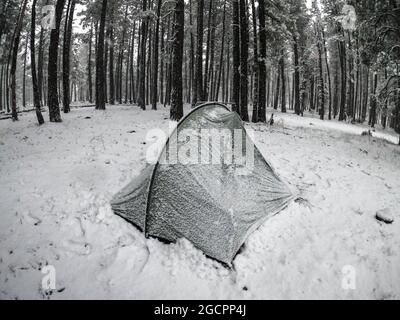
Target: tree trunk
(111,59)
(205,86)
(24,72)
(66,54)
(329,74)
(176,112)
(100,81)
(15,45)
(276,98)
(192,82)
(255,65)
(52,79)
(296,76)
(262,62)
(221,58)
(35,88)
(132,96)
(244,54)
(209,84)
(154,93)
(142,65)
(283,80)
(342,56)
(198,94)
(236,57)
(321,83)
(40,67)
(89,67)
(366,94)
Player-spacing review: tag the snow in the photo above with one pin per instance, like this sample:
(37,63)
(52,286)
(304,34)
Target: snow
(56,182)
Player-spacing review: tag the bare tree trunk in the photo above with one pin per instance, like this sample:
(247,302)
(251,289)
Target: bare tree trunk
(24,72)
(227,78)
(255,65)
(142,65)
(296,76)
(321,84)
(244,54)
(192,82)
(278,85)
(52,80)
(132,95)
(15,45)
(262,99)
(198,94)
(100,81)
(89,68)
(350,86)
(342,56)
(329,74)
(35,88)
(162,50)
(40,67)
(111,62)
(373,103)
(209,84)
(66,54)
(221,54)
(154,93)
(236,57)
(176,112)
(205,86)
(283,80)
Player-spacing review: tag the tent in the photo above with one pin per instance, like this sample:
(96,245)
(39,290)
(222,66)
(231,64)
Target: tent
(215,203)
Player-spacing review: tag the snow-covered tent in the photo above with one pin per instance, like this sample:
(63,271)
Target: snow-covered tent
(215,202)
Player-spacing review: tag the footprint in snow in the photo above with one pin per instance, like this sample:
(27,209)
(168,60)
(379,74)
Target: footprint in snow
(77,247)
(32,219)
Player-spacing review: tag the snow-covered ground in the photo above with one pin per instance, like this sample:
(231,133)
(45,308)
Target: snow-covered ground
(56,182)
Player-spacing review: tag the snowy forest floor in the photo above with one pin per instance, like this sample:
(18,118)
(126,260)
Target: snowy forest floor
(56,182)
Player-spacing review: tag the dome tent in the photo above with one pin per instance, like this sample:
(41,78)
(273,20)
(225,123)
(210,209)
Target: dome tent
(216,203)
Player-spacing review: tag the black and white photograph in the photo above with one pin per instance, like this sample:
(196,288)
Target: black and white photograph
(219,150)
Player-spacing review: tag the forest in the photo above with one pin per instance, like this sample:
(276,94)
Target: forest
(90,90)
(336,59)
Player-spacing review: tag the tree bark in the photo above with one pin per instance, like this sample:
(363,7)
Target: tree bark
(255,64)
(15,45)
(176,112)
(89,66)
(100,81)
(244,54)
(154,93)
(66,54)
(329,74)
(262,63)
(283,80)
(221,58)
(52,79)
(205,86)
(276,97)
(342,57)
(296,76)
(142,65)
(198,94)
(35,88)
(321,84)
(236,57)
